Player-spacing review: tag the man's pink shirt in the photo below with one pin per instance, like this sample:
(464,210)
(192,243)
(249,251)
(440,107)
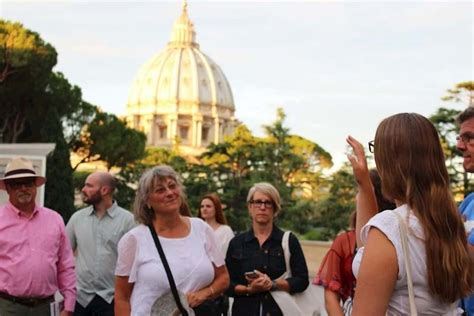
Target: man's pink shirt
(36,258)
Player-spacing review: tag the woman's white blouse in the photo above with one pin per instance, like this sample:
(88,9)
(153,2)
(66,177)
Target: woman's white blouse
(224,235)
(387,223)
(190,260)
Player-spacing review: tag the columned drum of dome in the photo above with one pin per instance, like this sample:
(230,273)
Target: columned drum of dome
(181,95)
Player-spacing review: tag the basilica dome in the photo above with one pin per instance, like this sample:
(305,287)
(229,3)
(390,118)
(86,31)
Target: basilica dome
(181,95)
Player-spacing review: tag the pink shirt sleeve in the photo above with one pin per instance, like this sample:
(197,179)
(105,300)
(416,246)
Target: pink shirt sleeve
(66,272)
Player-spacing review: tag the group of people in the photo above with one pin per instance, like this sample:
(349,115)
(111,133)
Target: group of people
(106,261)
(409,250)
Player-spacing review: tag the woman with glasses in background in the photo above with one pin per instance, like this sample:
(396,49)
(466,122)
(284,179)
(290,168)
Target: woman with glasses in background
(255,259)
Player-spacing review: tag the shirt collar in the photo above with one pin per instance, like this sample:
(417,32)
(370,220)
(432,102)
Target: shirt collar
(20,213)
(111,211)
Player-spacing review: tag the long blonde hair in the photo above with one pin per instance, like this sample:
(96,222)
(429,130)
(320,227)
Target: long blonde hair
(412,167)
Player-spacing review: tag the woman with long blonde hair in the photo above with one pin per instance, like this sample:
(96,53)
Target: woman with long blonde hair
(411,163)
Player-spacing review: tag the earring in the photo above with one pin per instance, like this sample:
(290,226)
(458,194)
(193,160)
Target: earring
(149,207)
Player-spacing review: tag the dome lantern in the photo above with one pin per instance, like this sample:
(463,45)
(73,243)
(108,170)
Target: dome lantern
(183,30)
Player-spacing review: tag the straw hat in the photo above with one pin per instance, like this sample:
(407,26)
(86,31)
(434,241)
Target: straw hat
(20,167)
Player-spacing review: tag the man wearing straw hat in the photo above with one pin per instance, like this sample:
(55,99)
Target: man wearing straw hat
(36,259)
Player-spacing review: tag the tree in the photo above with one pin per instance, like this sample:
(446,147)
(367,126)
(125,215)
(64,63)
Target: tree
(107,138)
(26,64)
(334,210)
(291,163)
(462,92)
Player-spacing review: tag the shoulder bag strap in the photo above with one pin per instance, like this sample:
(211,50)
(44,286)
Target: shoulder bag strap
(406,255)
(286,251)
(168,271)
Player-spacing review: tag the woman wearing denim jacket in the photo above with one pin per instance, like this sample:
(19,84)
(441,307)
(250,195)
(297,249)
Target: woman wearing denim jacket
(260,250)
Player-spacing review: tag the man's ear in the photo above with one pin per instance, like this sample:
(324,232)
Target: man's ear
(104,190)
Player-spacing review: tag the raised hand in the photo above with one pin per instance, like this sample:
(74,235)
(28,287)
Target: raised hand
(358,160)
(366,203)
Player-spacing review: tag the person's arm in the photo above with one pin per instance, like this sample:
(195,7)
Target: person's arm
(65,271)
(377,275)
(218,286)
(126,248)
(123,292)
(332,303)
(366,204)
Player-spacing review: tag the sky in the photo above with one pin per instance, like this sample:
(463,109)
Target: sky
(337,68)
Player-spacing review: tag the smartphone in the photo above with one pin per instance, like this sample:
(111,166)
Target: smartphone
(251,274)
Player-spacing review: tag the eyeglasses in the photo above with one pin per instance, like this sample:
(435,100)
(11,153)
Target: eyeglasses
(17,184)
(466,138)
(259,203)
(371,146)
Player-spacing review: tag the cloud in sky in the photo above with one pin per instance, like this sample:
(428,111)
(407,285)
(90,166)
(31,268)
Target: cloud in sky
(337,67)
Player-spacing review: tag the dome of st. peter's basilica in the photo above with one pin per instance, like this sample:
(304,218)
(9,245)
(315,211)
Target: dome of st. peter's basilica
(181,95)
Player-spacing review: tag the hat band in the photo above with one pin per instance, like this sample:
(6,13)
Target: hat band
(18,171)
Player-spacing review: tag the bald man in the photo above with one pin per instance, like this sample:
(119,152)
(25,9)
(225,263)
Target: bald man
(94,233)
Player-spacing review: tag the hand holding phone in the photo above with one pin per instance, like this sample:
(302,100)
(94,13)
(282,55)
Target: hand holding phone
(251,274)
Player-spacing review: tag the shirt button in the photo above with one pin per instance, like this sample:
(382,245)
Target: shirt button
(265,267)
(266,251)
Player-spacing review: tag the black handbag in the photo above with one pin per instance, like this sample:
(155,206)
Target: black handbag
(207,308)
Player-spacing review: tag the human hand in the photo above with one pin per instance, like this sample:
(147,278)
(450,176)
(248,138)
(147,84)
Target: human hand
(262,283)
(358,160)
(198,297)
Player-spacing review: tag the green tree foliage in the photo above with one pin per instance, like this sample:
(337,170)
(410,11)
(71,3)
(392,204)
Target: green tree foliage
(107,138)
(26,63)
(444,120)
(333,211)
(291,163)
